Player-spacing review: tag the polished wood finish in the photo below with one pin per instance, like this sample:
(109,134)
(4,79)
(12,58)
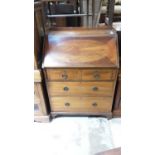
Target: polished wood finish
(99,74)
(80,74)
(37,43)
(80,88)
(80,67)
(63,74)
(82,104)
(81,48)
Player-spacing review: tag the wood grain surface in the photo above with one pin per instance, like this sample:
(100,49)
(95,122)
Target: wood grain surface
(99,74)
(80,74)
(63,74)
(81,104)
(80,67)
(80,88)
(81,48)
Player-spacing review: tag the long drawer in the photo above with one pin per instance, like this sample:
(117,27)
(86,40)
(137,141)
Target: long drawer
(80,88)
(80,74)
(81,104)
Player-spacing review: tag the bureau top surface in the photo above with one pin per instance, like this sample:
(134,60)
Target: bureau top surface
(79,47)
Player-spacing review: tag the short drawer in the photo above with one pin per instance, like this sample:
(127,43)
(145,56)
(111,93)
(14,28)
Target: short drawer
(99,74)
(81,104)
(80,88)
(63,74)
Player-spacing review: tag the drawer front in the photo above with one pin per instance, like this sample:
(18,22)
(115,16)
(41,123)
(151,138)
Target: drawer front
(80,88)
(81,104)
(99,74)
(63,74)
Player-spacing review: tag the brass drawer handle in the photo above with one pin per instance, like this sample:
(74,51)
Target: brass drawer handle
(66,88)
(94,104)
(97,76)
(67,104)
(64,76)
(95,88)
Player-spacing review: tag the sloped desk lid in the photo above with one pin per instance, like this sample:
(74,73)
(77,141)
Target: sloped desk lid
(79,47)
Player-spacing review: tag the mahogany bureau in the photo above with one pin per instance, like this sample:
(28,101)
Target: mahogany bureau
(80,67)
